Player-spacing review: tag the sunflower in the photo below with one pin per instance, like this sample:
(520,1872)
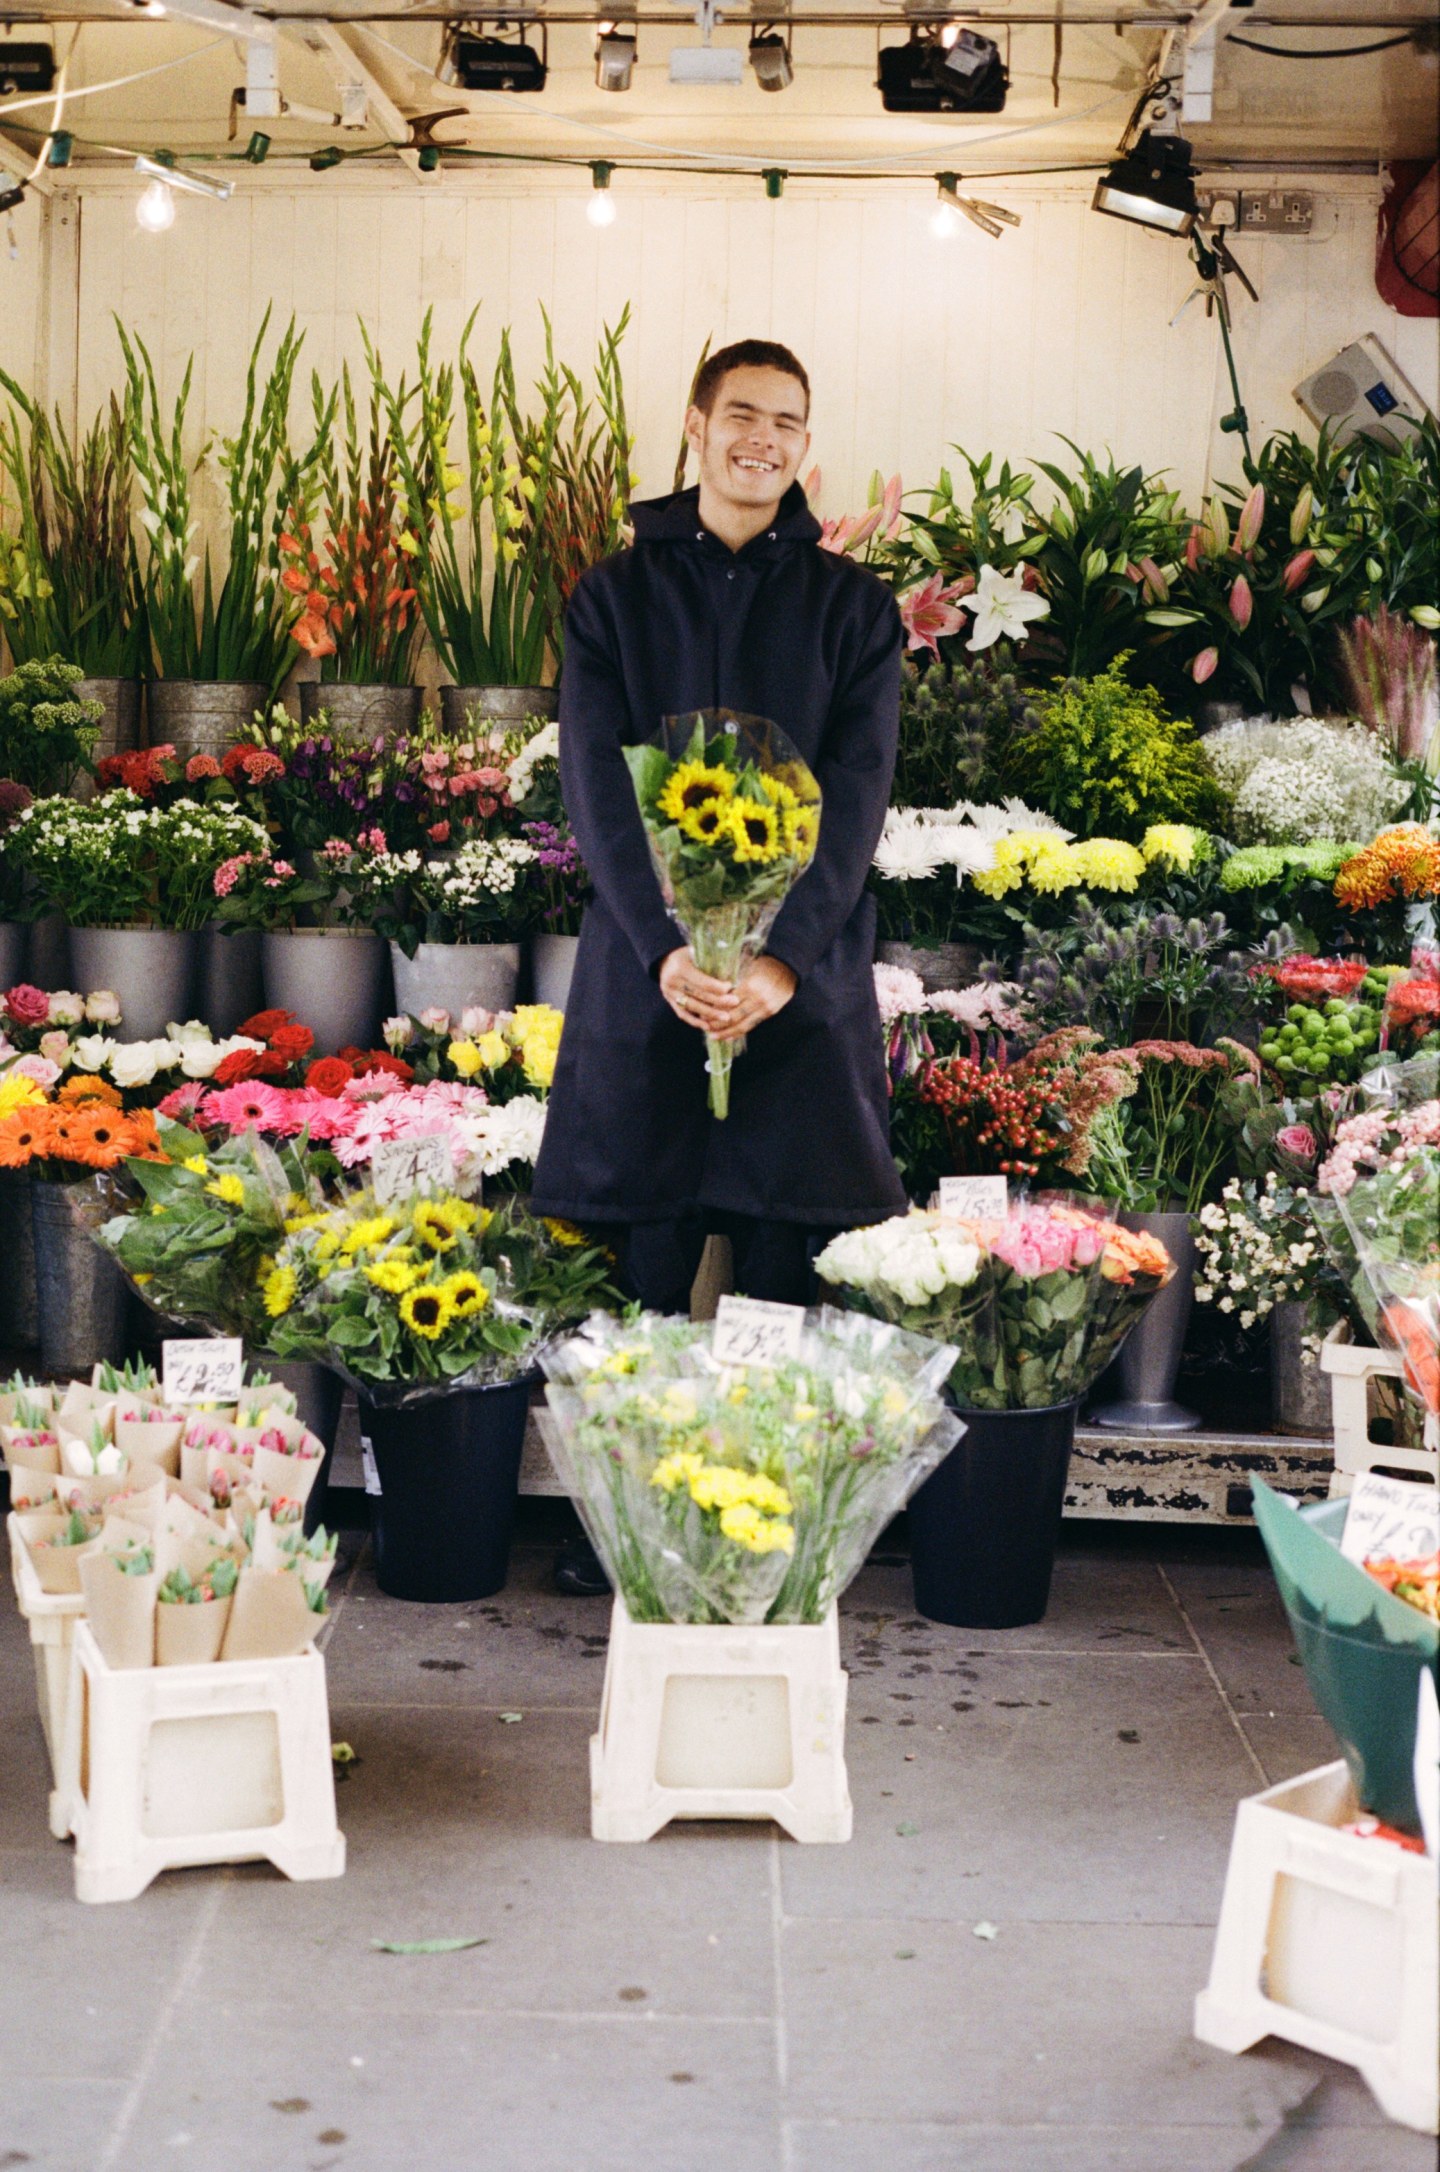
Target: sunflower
(394,1276)
(690,784)
(802,831)
(564,1233)
(778,792)
(754,830)
(371,1230)
(704,823)
(82,1087)
(427,1310)
(440,1223)
(467,1294)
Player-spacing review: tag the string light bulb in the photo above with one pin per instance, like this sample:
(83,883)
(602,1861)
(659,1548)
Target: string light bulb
(155,210)
(600,210)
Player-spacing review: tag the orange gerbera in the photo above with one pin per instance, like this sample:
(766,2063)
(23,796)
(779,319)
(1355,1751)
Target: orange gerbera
(81,1087)
(96,1138)
(25,1137)
(147,1136)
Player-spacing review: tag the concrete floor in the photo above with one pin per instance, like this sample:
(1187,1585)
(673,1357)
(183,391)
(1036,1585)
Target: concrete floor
(719,2000)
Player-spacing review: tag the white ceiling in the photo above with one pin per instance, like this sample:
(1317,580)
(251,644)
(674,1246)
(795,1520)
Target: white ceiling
(1361,109)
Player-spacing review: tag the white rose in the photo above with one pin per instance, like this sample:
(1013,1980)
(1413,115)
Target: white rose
(102,1007)
(66,1008)
(132,1063)
(92,1051)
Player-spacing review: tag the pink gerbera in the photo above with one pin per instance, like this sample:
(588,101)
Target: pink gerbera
(250,1106)
(186,1105)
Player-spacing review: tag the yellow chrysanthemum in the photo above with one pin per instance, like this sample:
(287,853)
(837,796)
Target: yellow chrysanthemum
(279,1291)
(745,1526)
(675,1470)
(705,823)
(372,1230)
(427,1311)
(754,830)
(691,783)
(327,1244)
(467,1294)
(394,1276)
(296,1223)
(564,1232)
(1009,870)
(228,1189)
(18,1092)
(464,1057)
(1176,843)
(1054,867)
(1106,863)
(802,831)
(196,1164)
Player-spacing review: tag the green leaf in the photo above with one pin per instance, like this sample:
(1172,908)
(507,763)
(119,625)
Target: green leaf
(426,1945)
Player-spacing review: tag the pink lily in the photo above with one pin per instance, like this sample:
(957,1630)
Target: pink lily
(1157,588)
(1252,515)
(851,530)
(929,611)
(1242,603)
(1297,569)
(1192,546)
(1203,665)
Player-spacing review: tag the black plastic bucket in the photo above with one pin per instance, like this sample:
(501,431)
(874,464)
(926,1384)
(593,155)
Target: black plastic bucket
(984,1526)
(449,1471)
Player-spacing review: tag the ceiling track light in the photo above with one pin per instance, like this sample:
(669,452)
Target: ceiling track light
(771,61)
(600,210)
(474,61)
(616,44)
(945,70)
(992,219)
(163,170)
(1152,184)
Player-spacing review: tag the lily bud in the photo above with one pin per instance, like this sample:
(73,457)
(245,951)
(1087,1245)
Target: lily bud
(1242,603)
(1203,665)
(1157,588)
(1300,514)
(1297,569)
(1252,515)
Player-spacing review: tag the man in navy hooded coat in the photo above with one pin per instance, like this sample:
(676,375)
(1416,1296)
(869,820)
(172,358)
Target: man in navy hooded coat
(726,600)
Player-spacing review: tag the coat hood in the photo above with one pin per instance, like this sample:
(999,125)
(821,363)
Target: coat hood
(676,519)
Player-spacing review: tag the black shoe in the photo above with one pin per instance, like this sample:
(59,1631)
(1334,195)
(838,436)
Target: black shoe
(578,1573)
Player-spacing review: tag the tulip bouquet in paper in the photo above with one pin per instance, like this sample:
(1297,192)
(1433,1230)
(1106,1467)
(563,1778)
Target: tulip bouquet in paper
(1036,1305)
(731,1493)
(733,817)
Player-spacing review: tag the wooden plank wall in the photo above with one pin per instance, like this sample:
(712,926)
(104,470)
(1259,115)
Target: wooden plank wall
(913,343)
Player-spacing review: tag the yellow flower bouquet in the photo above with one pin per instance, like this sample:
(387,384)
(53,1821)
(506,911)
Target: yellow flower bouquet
(733,816)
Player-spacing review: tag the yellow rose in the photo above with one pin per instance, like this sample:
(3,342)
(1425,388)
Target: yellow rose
(465,1057)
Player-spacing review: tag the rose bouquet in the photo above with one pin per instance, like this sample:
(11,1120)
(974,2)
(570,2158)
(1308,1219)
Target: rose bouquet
(510,1052)
(733,817)
(1036,1305)
(427,1294)
(35,1021)
(719,1493)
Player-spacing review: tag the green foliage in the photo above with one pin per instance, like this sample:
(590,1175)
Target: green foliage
(46,732)
(1105,759)
(955,726)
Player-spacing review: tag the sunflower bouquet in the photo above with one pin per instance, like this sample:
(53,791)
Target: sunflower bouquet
(412,1298)
(721,1493)
(733,817)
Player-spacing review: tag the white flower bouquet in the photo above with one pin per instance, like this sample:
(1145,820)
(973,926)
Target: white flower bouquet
(724,1493)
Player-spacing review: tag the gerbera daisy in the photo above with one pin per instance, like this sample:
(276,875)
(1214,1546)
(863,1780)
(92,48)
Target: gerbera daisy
(25,1136)
(81,1087)
(96,1138)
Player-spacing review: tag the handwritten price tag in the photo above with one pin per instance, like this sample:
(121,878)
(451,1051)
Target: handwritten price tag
(1391,1519)
(748,1331)
(207,1370)
(399,1168)
(975,1199)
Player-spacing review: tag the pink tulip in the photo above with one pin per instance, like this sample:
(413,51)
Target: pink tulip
(1242,603)
(1203,665)
(1252,515)
(1297,569)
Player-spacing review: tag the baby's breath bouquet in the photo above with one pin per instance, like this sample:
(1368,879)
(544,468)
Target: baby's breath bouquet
(724,1493)
(733,816)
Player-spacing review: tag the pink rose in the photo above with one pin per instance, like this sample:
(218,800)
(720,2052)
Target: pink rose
(1299,1140)
(474,1021)
(434,1020)
(27,1005)
(55,1046)
(39,1068)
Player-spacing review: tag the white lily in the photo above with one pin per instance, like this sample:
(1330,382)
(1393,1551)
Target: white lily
(1003,608)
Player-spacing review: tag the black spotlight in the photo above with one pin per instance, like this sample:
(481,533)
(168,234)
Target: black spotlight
(956,71)
(1151,185)
(494,64)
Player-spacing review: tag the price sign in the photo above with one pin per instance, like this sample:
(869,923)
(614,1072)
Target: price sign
(372,1468)
(207,1370)
(975,1199)
(748,1331)
(1391,1519)
(399,1168)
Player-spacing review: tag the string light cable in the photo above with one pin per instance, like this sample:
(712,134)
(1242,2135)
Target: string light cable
(117,82)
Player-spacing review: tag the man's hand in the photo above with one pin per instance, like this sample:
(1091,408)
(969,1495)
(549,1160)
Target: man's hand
(697,998)
(766,987)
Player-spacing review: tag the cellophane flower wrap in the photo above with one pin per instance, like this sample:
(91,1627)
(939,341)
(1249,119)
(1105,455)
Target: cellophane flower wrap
(721,1493)
(733,815)
(413,1298)
(1393,1220)
(1036,1305)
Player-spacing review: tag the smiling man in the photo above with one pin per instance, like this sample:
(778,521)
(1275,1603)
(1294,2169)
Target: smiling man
(726,600)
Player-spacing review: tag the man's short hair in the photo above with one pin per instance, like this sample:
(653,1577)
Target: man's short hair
(745,354)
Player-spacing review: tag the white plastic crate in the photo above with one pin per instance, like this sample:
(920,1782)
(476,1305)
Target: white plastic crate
(1330,1941)
(165,1767)
(1352,1367)
(721,1722)
(51,1618)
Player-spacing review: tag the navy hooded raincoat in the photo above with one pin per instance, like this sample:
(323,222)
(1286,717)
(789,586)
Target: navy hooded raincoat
(811,640)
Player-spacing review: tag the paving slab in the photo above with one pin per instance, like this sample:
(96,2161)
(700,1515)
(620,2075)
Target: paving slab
(841,2146)
(1237,1615)
(51,2125)
(1099,1602)
(1290,1743)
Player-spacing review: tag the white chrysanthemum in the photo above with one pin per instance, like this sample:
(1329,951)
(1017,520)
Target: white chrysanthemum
(897,992)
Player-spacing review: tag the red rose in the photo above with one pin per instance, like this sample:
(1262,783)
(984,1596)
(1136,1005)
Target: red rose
(329,1075)
(371,1060)
(265,1025)
(292,1042)
(28,1006)
(241,1063)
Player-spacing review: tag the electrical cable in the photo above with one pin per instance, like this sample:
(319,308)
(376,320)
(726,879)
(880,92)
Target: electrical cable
(119,82)
(1322,52)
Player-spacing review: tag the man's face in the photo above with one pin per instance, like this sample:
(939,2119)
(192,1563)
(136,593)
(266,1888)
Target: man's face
(754,438)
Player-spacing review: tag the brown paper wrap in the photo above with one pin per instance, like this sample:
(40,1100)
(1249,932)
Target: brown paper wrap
(30,1487)
(121,1609)
(190,1636)
(270,1618)
(57,1568)
(38,1454)
(141,1485)
(41,1396)
(80,1405)
(157,1444)
(290,1477)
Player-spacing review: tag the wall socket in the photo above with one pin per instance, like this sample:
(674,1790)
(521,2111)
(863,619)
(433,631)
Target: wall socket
(1237,211)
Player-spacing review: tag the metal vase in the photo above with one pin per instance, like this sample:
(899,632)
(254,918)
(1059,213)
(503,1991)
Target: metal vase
(552,964)
(335,980)
(1150,1356)
(454,977)
(14,942)
(19,1320)
(487,709)
(229,983)
(152,970)
(942,965)
(47,954)
(1299,1392)
(359,713)
(119,726)
(201,716)
(80,1293)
